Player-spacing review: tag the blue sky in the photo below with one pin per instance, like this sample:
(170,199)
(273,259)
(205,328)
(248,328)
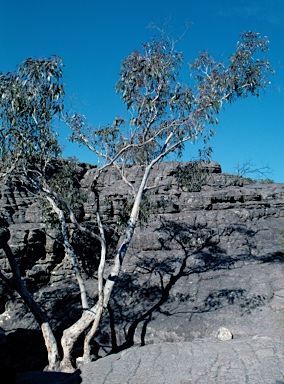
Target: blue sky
(93,37)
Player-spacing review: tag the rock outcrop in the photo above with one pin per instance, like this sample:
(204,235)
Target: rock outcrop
(232,362)
(201,260)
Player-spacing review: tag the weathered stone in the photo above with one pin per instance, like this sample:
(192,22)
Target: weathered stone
(4,236)
(204,362)
(202,260)
(4,231)
(224,334)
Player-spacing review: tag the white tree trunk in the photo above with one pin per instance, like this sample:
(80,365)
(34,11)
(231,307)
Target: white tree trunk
(49,339)
(51,347)
(70,252)
(101,306)
(71,334)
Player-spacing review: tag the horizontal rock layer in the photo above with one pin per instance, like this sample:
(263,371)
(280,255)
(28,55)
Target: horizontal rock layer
(199,261)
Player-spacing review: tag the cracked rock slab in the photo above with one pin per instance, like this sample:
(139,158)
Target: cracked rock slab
(252,361)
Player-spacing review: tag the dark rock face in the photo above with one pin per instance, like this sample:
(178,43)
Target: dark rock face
(202,260)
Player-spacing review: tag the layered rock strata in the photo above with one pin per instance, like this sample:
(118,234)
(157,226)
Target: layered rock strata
(199,261)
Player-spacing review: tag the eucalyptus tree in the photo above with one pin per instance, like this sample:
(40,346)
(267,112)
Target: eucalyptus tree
(164,114)
(31,102)
(30,98)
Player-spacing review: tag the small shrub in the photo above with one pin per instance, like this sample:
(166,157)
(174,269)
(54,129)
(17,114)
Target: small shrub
(266,181)
(191,177)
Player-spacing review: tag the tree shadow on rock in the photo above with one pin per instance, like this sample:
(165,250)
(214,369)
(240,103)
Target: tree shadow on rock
(48,378)
(89,249)
(150,288)
(23,350)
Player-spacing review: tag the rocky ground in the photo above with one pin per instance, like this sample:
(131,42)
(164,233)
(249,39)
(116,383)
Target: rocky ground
(257,360)
(252,361)
(203,260)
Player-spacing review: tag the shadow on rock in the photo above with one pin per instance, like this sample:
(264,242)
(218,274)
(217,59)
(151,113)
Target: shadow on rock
(151,287)
(23,349)
(47,378)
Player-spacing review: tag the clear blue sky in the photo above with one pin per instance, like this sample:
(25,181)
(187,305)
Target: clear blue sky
(93,37)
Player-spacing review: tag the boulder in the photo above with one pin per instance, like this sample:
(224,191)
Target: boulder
(224,334)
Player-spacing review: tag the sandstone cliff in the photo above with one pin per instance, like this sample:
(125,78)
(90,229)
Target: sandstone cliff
(201,260)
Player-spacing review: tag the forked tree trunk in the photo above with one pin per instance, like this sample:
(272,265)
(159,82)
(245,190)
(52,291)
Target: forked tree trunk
(71,334)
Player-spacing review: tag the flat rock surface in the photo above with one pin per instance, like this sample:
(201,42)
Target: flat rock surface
(254,361)
(248,361)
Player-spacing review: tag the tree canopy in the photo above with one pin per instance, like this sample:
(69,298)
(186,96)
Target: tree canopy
(165,112)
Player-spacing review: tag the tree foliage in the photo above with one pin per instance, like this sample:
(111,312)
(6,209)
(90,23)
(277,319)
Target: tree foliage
(166,112)
(192,176)
(31,97)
